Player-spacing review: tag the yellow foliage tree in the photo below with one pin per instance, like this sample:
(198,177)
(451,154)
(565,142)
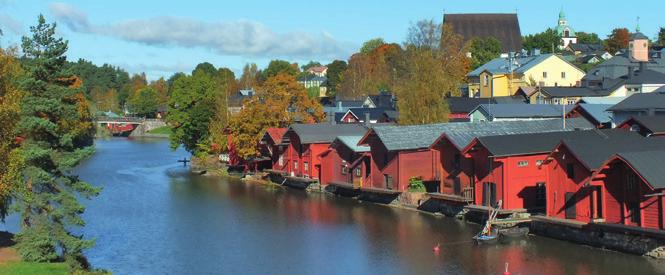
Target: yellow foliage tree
(10,96)
(279,102)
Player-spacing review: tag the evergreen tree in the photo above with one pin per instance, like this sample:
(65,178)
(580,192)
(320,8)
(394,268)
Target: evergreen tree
(58,132)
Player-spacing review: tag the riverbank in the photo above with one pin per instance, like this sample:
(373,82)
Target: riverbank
(10,261)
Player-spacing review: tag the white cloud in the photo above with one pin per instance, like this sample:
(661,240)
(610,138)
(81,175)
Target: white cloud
(239,38)
(8,23)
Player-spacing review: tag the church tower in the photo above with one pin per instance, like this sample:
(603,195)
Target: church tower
(565,32)
(638,46)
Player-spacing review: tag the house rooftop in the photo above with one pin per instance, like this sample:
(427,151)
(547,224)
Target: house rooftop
(504,27)
(501,65)
(374,113)
(323,132)
(597,111)
(654,124)
(593,151)
(641,101)
(523,110)
(572,91)
(351,142)
(275,134)
(648,164)
(534,143)
(414,137)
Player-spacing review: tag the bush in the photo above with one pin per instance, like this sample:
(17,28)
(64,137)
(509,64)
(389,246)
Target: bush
(416,185)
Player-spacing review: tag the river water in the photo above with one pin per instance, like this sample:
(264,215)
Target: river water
(153,217)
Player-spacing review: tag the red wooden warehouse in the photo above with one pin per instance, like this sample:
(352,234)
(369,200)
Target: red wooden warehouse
(635,186)
(271,147)
(344,163)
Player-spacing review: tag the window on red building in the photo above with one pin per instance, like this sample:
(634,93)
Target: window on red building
(634,212)
(570,170)
(306,167)
(344,169)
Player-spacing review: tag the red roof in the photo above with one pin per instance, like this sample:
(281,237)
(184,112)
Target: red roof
(276,134)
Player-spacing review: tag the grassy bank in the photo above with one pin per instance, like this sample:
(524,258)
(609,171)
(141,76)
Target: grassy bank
(164,130)
(19,268)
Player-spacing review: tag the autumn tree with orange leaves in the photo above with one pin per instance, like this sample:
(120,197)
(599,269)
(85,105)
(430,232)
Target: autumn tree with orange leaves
(278,102)
(617,40)
(370,71)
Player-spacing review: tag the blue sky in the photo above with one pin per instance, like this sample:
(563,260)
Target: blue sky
(163,37)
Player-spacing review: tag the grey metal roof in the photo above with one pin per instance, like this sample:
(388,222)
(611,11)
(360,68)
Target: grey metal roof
(599,112)
(649,164)
(324,132)
(533,143)
(594,151)
(655,124)
(523,110)
(618,65)
(374,113)
(641,101)
(570,91)
(501,65)
(352,143)
(611,100)
(396,138)
(638,35)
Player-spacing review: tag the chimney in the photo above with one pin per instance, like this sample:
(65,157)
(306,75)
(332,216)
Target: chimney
(631,71)
(339,106)
(367,122)
(331,118)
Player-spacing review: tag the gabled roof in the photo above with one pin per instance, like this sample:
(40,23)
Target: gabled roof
(641,101)
(323,132)
(654,124)
(596,111)
(501,65)
(528,144)
(592,151)
(374,113)
(648,164)
(618,65)
(585,48)
(351,142)
(414,137)
(382,100)
(465,105)
(523,110)
(275,134)
(503,27)
(647,76)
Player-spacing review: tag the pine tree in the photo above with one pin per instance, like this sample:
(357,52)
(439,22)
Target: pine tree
(58,131)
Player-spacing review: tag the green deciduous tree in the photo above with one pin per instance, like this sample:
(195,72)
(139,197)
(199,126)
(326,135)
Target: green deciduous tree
(588,38)
(334,75)
(58,132)
(276,67)
(191,107)
(660,39)
(144,103)
(371,45)
(483,50)
(547,41)
(226,84)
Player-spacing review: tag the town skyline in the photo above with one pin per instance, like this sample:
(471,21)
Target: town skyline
(204,31)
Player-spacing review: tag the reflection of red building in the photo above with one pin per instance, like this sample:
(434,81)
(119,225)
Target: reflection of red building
(634,184)
(305,142)
(344,162)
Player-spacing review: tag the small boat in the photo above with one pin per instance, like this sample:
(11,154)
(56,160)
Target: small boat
(514,232)
(486,239)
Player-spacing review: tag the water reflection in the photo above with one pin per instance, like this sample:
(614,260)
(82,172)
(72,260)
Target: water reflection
(154,217)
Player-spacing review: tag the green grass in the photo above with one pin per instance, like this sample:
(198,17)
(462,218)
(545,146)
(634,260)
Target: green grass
(164,130)
(19,268)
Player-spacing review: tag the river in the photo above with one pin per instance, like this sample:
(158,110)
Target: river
(153,217)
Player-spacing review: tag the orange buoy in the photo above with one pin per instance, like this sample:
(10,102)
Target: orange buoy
(437,248)
(506,272)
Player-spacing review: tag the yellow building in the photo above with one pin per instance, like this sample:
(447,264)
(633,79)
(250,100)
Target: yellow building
(504,76)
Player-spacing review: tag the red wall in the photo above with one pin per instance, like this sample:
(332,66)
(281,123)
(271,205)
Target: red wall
(619,196)
(401,165)
(447,170)
(558,184)
(332,162)
(519,184)
(303,153)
